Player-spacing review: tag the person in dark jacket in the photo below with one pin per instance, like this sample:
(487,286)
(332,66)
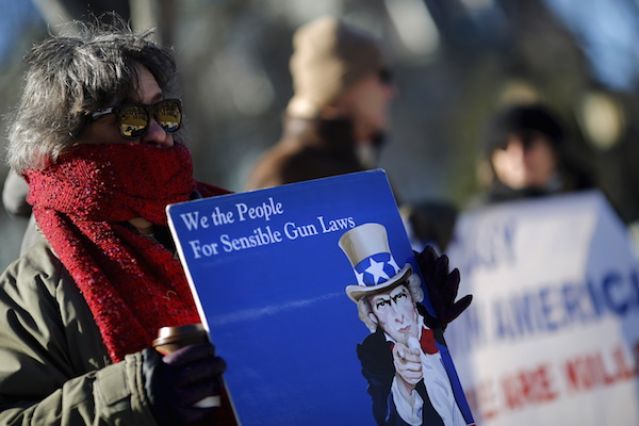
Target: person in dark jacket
(96,137)
(528,155)
(336,120)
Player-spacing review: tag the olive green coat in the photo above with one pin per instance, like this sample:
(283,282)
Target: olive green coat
(54,368)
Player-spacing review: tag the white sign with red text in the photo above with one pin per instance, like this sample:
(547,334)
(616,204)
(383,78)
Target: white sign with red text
(552,335)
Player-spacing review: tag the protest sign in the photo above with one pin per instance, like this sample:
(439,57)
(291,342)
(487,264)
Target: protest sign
(277,274)
(552,336)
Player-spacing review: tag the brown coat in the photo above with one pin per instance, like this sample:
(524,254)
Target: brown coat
(310,149)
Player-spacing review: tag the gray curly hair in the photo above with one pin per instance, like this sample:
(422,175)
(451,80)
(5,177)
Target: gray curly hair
(70,76)
(364,307)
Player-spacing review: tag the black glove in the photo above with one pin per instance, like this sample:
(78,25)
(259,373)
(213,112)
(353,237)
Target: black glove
(175,382)
(442,287)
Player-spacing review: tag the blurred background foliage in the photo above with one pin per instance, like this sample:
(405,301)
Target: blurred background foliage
(455,62)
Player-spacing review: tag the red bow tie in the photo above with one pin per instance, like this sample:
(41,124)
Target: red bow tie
(427,341)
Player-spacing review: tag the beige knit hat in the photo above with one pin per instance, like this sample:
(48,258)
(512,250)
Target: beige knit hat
(329,56)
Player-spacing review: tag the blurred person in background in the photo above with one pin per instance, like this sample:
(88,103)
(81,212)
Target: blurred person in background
(528,157)
(14,195)
(14,201)
(95,137)
(337,120)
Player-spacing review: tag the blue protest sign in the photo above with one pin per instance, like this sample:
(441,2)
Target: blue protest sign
(310,292)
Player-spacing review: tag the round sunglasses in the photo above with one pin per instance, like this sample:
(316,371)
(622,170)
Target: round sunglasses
(133,119)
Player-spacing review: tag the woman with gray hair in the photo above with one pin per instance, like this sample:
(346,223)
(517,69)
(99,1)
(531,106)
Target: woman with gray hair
(96,138)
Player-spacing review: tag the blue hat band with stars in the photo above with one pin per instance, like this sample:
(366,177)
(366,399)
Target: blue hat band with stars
(376,269)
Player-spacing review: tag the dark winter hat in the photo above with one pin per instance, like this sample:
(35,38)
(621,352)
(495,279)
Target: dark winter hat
(329,57)
(523,120)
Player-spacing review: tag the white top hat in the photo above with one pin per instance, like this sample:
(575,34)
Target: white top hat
(366,247)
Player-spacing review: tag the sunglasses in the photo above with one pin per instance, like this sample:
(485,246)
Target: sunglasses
(133,119)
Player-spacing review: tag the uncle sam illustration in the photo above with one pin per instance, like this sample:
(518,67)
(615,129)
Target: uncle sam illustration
(400,359)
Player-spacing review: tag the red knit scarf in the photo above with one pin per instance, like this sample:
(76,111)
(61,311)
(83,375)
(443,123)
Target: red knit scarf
(132,284)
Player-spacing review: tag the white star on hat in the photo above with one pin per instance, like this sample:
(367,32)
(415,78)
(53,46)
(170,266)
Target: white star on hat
(376,269)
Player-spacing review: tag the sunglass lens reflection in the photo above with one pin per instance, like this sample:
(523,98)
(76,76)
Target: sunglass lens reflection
(133,121)
(169,115)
